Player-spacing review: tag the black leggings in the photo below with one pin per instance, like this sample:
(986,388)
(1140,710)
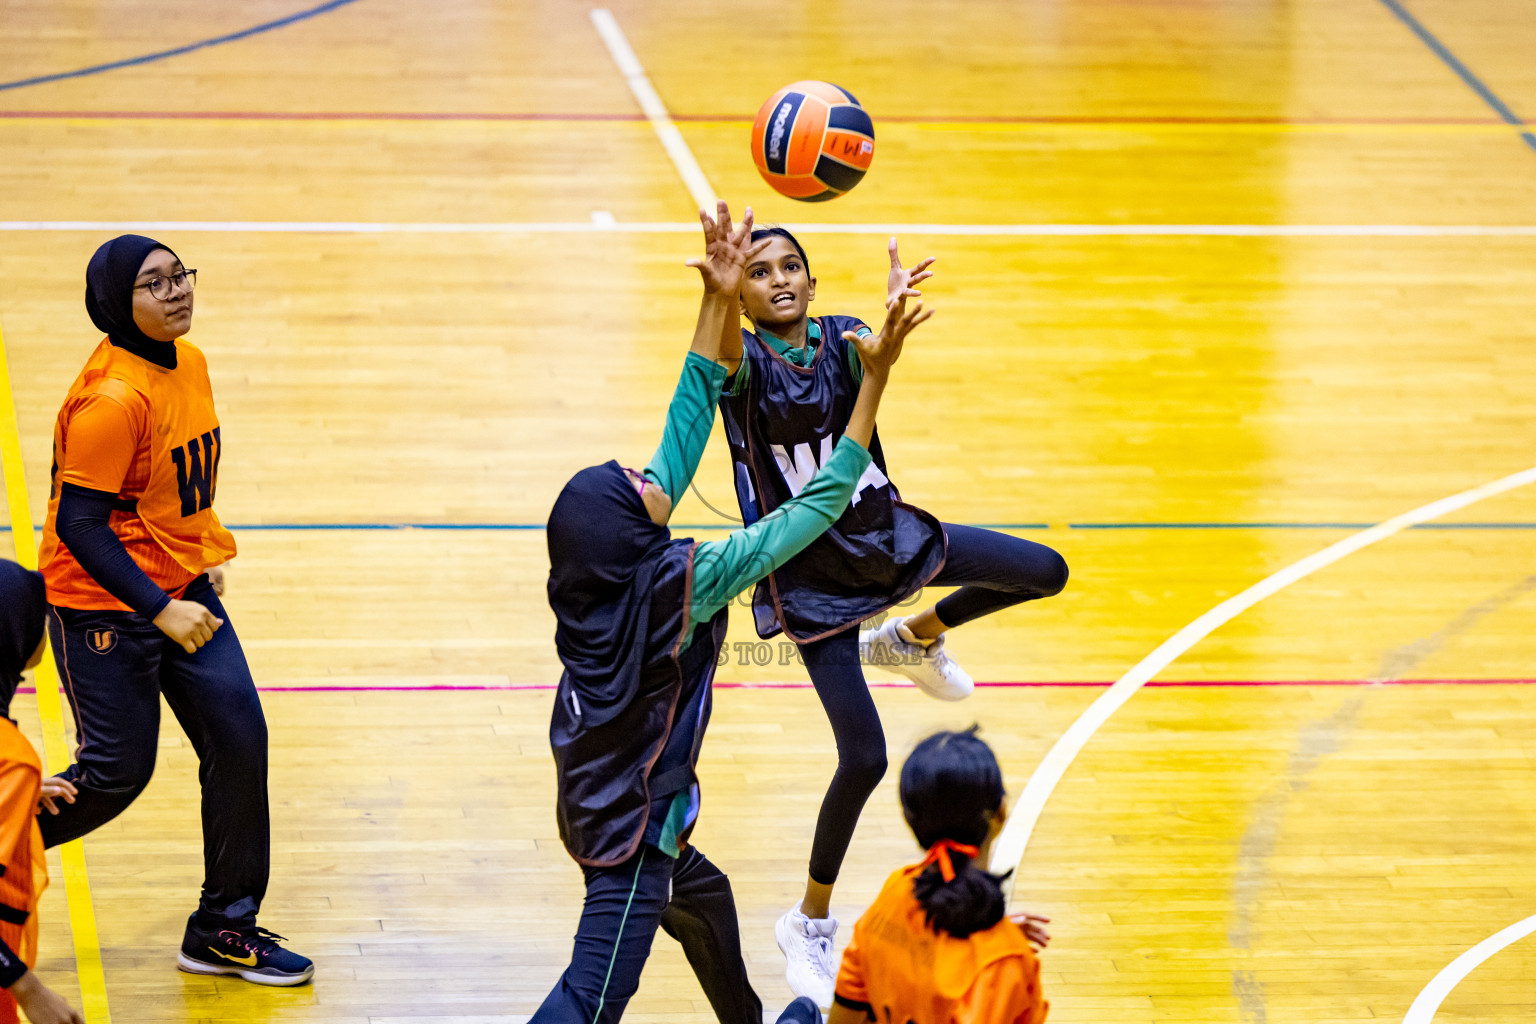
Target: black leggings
(993,571)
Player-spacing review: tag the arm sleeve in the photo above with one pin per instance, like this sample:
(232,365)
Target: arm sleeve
(82,524)
(1008,991)
(724,568)
(18,809)
(690,418)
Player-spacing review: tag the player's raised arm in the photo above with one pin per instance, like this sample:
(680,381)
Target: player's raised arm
(878,353)
(691,415)
(727,249)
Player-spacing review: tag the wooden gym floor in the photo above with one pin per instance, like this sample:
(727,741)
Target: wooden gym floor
(440,251)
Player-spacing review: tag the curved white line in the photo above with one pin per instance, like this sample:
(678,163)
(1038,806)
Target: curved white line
(1423,1009)
(1008,850)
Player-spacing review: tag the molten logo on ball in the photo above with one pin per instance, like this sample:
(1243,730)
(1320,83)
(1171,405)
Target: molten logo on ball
(812,141)
(779,124)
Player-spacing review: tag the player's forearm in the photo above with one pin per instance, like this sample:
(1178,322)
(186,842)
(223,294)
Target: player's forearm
(714,310)
(730,340)
(861,425)
(690,417)
(722,569)
(83,526)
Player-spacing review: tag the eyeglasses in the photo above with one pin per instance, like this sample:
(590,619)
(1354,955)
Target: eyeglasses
(161,287)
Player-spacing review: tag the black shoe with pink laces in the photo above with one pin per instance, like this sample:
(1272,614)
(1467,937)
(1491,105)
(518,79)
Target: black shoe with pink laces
(251,952)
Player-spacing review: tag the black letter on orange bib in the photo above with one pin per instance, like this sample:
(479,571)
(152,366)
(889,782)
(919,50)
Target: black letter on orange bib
(196,466)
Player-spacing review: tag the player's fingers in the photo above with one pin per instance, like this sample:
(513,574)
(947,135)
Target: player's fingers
(919,278)
(746,223)
(759,246)
(47,802)
(723,213)
(895,259)
(189,646)
(708,222)
(927,262)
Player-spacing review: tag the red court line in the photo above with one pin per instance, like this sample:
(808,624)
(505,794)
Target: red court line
(1042,119)
(998,684)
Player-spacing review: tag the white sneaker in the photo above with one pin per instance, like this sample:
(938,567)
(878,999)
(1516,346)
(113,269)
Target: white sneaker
(894,647)
(807,944)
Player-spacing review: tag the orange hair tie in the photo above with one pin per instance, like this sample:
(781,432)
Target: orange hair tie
(939,852)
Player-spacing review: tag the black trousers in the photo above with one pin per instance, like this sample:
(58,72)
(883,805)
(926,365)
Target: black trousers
(691,900)
(994,571)
(115,666)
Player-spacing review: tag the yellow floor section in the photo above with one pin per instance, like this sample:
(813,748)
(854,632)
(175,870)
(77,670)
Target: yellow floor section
(1179,415)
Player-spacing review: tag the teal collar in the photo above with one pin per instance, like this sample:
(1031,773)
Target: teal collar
(798,356)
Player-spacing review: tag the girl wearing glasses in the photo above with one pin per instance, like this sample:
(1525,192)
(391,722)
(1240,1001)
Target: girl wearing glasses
(132,555)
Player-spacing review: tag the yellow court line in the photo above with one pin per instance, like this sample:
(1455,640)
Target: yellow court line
(77,884)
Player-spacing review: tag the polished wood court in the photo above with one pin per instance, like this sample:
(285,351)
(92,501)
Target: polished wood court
(1179,414)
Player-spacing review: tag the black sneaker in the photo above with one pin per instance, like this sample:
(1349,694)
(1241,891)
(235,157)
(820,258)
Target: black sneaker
(252,953)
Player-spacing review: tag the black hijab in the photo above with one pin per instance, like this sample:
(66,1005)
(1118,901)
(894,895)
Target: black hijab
(604,551)
(109,296)
(23,602)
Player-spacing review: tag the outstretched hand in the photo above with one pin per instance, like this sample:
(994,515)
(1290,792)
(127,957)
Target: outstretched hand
(899,284)
(879,352)
(727,250)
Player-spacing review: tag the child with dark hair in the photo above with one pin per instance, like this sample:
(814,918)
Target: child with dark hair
(938,946)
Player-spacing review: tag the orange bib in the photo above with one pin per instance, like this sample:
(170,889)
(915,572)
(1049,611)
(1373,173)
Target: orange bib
(166,519)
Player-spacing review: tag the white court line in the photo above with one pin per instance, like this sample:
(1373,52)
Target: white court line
(604,224)
(655,110)
(1008,851)
(1423,1009)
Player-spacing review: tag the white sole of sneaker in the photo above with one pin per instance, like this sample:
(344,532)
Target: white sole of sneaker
(190,966)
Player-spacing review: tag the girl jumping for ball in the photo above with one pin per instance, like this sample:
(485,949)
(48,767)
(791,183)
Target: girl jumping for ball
(642,617)
(794,381)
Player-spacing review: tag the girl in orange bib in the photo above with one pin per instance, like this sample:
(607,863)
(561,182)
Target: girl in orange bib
(937,947)
(132,554)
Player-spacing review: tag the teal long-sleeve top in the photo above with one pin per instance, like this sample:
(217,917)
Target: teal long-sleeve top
(724,568)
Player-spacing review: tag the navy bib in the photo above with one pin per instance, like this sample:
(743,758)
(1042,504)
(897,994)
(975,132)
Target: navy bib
(780,430)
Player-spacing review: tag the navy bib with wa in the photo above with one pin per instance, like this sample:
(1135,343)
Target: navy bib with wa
(615,779)
(781,429)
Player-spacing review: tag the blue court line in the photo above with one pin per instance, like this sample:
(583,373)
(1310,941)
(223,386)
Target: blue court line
(1451,61)
(526,527)
(149,58)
